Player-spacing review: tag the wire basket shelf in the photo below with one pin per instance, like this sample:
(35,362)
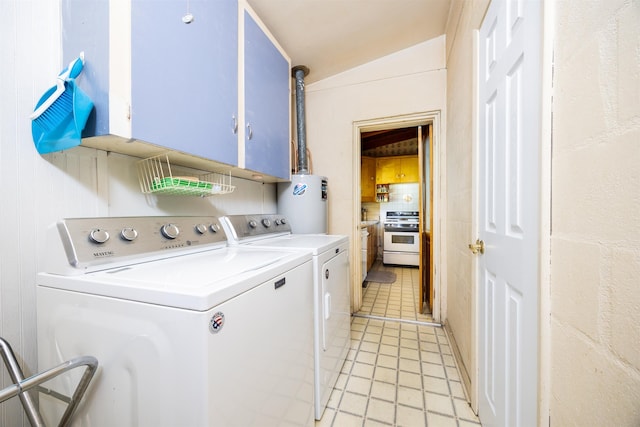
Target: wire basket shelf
(158,176)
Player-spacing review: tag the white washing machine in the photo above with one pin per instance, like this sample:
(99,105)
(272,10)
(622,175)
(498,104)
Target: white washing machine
(187,330)
(332,306)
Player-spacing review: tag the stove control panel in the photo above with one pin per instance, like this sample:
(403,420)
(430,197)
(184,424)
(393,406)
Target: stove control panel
(402,221)
(242,227)
(106,242)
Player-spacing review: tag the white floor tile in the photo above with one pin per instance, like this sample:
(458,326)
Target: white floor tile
(411,397)
(463,410)
(358,385)
(409,365)
(439,420)
(408,379)
(438,403)
(384,391)
(381,410)
(347,420)
(386,375)
(362,370)
(410,417)
(355,404)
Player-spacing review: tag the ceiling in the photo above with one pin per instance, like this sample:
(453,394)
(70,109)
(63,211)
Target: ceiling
(332,36)
(390,142)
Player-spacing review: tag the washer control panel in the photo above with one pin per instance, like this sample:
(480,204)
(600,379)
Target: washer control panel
(242,227)
(98,241)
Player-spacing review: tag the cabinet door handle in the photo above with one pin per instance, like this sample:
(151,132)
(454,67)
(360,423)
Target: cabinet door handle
(249,131)
(234,124)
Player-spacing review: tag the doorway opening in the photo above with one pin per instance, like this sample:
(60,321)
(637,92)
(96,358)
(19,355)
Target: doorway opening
(398,169)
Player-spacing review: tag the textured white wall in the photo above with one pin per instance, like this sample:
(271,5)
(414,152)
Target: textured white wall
(595,246)
(406,82)
(38,190)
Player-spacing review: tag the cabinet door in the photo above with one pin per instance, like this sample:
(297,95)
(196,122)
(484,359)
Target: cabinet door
(387,170)
(267,80)
(368,179)
(184,77)
(374,249)
(370,246)
(86,29)
(409,169)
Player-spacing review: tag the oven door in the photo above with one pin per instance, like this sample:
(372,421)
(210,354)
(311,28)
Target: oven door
(399,241)
(401,248)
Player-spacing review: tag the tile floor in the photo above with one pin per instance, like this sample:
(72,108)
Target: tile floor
(397,372)
(399,300)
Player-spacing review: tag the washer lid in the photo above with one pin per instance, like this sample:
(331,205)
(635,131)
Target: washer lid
(196,282)
(317,243)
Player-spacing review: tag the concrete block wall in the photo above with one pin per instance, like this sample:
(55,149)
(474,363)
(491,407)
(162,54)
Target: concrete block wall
(595,245)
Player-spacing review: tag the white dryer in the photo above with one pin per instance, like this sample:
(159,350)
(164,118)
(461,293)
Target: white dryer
(187,330)
(332,302)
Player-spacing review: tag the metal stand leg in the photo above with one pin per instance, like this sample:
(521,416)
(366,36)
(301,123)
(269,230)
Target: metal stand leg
(16,375)
(22,385)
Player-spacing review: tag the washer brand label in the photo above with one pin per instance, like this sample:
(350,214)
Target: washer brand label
(216,323)
(299,189)
(103,254)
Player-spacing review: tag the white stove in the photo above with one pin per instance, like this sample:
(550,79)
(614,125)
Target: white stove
(401,244)
(331,288)
(187,330)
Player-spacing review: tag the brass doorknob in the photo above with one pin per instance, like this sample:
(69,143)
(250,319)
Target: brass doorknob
(477,247)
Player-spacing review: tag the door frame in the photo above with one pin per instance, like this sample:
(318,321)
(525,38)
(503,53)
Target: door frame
(544,267)
(438,241)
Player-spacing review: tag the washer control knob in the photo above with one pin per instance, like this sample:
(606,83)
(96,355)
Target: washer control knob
(201,228)
(170,231)
(98,236)
(283,221)
(277,221)
(266,222)
(129,233)
(253,224)
(214,228)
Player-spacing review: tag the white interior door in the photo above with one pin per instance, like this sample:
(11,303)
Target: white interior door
(509,97)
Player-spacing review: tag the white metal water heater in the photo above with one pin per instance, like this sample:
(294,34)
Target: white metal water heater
(304,202)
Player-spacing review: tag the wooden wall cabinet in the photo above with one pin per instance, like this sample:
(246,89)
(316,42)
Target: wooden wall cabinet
(398,169)
(368,179)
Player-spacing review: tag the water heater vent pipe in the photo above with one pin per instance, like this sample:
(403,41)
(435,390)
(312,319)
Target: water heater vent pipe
(299,72)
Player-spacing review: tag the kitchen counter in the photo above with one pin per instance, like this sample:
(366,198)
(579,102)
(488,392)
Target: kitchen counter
(364,224)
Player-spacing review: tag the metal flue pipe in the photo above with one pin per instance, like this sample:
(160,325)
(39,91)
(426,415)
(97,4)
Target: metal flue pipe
(299,72)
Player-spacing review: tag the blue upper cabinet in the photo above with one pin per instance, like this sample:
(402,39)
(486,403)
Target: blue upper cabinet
(267,100)
(215,90)
(184,92)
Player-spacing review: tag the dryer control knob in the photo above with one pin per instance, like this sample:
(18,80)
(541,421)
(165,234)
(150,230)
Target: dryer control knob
(170,231)
(277,221)
(266,222)
(98,236)
(214,227)
(253,224)
(283,221)
(129,233)
(201,228)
